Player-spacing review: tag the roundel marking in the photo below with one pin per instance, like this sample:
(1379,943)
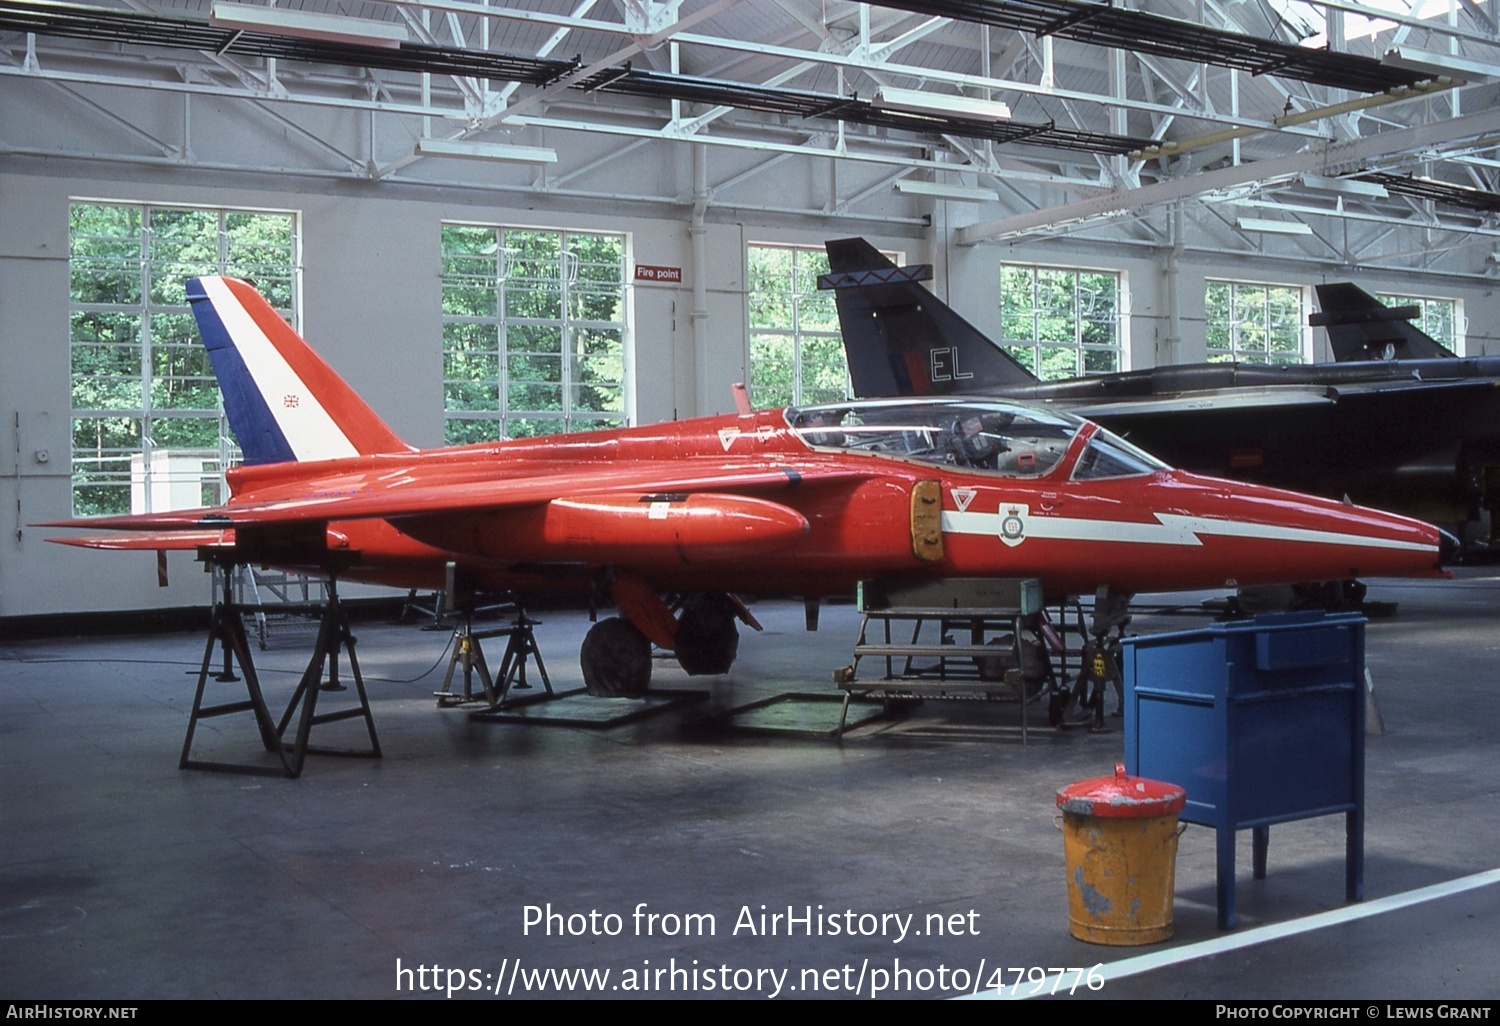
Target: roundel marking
(1013,525)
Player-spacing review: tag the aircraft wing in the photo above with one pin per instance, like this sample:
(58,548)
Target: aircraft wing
(1414,384)
(150,541)
(419,495)
(1271,397)
(1224,399)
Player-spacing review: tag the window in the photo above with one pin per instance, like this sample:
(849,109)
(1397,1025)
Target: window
(1254,323)
(1440,318)
(796,350)
(1061,323)
(1108,455)
(148,431)
(534,332)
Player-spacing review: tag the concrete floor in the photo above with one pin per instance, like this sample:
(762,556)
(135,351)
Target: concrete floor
(122,877)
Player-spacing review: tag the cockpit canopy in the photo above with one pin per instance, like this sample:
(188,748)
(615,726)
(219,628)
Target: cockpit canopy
(1008,439)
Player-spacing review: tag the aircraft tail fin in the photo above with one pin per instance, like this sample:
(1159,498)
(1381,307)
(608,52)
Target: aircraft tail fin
(901,339)
(283,402)
(1360,327)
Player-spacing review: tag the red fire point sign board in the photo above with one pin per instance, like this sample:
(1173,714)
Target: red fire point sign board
(649,272)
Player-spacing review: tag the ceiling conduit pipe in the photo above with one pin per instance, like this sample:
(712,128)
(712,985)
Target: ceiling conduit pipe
(1171,348)
(1171,148)
(698,233)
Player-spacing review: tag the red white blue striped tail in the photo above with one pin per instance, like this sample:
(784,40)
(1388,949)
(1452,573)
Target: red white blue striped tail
(283,402)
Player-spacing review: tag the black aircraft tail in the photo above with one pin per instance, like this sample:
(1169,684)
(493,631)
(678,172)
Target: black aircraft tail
(901,339)
(1360,327)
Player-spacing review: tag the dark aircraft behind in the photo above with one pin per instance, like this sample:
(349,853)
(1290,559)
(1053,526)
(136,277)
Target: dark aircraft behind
(1399,423)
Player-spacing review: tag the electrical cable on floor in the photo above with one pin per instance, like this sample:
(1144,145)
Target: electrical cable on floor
(259,669)
(426,673)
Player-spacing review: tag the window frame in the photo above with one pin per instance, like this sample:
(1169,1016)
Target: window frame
(1031,352)
(799,299)
(1457,342)
(145,262)
(463,424)
(1267,355)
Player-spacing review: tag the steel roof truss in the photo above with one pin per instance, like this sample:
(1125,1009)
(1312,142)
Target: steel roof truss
(1167,37)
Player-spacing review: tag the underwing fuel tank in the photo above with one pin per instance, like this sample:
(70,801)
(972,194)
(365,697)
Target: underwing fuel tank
(700,528)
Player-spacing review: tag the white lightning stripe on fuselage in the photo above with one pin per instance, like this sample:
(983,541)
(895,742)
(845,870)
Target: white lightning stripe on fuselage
(307,426)
(1170,529)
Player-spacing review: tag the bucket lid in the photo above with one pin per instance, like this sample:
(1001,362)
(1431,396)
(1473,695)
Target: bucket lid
(1121,796)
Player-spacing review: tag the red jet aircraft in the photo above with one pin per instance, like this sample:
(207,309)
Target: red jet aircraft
(803,501)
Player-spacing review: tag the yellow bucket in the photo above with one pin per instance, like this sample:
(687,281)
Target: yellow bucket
(1120,843)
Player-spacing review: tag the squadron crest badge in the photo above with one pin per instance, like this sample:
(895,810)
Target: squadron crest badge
(1013,524)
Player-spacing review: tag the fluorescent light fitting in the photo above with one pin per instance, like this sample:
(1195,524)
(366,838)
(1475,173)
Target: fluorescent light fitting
(939,190)
(307,25)
(1261,224)
(486,151)
(942,104)
(1439,65)
(1345,186)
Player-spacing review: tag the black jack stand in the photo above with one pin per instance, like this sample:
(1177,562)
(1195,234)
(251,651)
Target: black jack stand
(1099,668)
(227,630)
(467,653)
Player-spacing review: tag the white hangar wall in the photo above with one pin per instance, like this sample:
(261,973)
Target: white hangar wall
(371,303)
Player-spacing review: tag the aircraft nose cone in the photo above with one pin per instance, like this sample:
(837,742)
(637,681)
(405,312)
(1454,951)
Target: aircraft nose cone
(1450,549)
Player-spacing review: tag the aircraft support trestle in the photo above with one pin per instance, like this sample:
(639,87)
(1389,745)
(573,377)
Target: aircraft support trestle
(468,653)
(227,630)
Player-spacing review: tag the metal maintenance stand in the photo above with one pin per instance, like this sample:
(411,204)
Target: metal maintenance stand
(966,611)
(227,630)
(520,647)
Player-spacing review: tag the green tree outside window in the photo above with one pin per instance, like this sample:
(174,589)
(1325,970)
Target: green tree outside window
(1061,322)
(796,348)
(147,424)
(1254,323)
(1439,318)
(534,332)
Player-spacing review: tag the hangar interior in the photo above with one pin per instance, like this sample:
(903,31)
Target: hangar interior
(1246,149)
(527,216)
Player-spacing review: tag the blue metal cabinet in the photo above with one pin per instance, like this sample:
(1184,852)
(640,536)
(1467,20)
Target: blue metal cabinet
(1260,722)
